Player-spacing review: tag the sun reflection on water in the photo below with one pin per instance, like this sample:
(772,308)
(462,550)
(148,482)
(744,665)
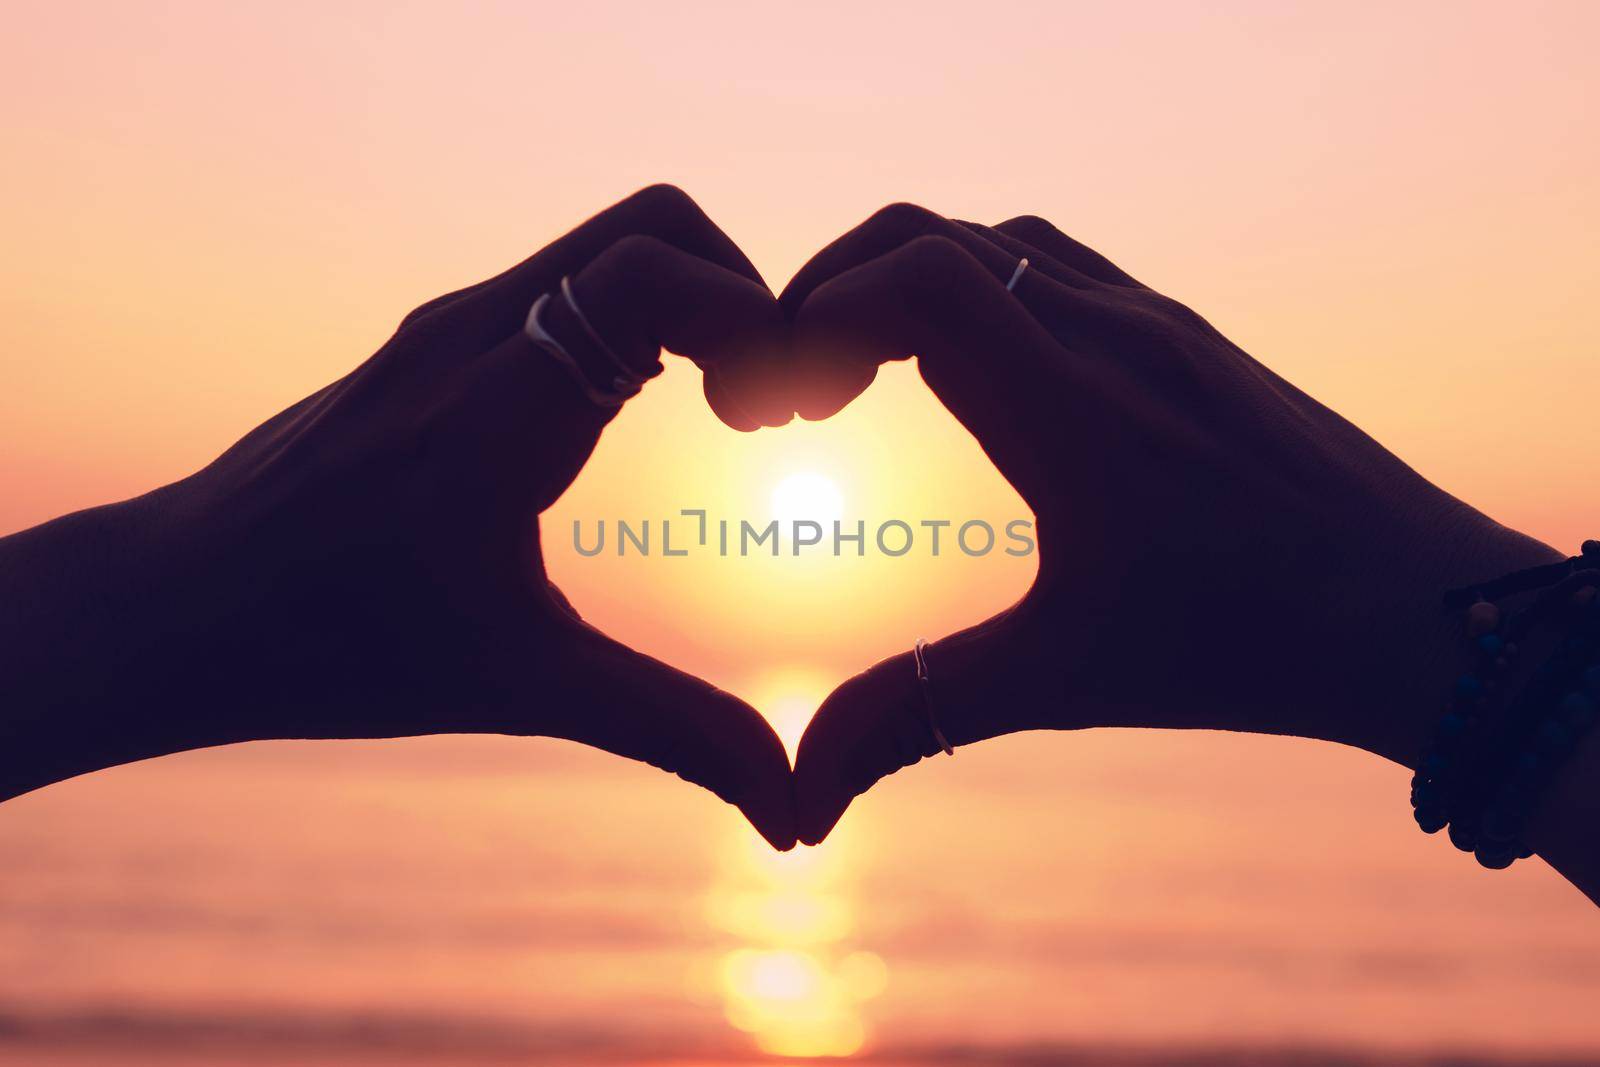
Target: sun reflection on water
(792,980)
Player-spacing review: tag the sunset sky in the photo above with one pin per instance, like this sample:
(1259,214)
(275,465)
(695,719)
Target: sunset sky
(211,210)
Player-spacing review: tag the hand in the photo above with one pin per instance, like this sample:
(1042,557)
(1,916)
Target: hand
(367,563)
(1217,549)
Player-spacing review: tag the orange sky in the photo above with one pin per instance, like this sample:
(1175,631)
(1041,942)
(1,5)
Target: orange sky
(210,210)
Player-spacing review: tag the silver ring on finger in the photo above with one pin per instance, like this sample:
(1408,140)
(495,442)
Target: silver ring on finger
(1016,275)
(930,719)
(625,381)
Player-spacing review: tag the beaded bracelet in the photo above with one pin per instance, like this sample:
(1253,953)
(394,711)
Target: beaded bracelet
(1488,764)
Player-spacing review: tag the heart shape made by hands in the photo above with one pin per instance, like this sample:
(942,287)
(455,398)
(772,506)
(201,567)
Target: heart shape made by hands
(905,282)
(1179,489)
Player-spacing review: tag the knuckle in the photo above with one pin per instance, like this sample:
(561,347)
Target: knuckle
(928,270)
(904,219)
(428,307)
(933,262)
(1174,313)
(414,314)
(934,249)
(664,201)
(1028,224)
(634,251)
(1033,229)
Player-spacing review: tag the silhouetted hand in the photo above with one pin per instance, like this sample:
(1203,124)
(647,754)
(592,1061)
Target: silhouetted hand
(1217,549)
(367,563)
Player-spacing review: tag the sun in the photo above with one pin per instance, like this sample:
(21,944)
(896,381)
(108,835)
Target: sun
(807,495)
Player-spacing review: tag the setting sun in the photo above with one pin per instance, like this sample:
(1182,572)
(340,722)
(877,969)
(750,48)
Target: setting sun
(807,495)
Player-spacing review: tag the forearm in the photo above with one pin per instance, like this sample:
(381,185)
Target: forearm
(89,643)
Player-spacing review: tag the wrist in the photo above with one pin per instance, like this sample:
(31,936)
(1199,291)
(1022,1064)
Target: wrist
(1561,828)
(1513,773)
(1417,647)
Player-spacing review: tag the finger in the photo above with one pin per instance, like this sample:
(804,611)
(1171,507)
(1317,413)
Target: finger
(982,683)
(823,380)
(428,307)
(1079,311)
(1039,260)
(1041,234)
(642,295)
(664,212)
(1117,319)
(522,400)
(460,325)
(980,351)
(886,230)
(626,703)
(725,405)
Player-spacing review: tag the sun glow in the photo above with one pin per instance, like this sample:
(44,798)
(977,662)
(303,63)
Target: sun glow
(792,981)
(807,495)
(788,697)
(795,1005)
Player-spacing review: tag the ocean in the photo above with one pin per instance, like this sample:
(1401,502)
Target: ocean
(1110,897)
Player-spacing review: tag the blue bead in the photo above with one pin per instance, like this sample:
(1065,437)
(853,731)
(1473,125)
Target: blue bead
(1452,725)
(1491,645)
(1430,820)
(1435,764)
(1496,859)
(1468,687)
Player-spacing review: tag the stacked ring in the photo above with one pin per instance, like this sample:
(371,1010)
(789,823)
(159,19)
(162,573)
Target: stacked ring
(625,382)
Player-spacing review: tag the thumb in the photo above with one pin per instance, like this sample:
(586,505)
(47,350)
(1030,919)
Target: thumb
(980,683)
(634,706)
